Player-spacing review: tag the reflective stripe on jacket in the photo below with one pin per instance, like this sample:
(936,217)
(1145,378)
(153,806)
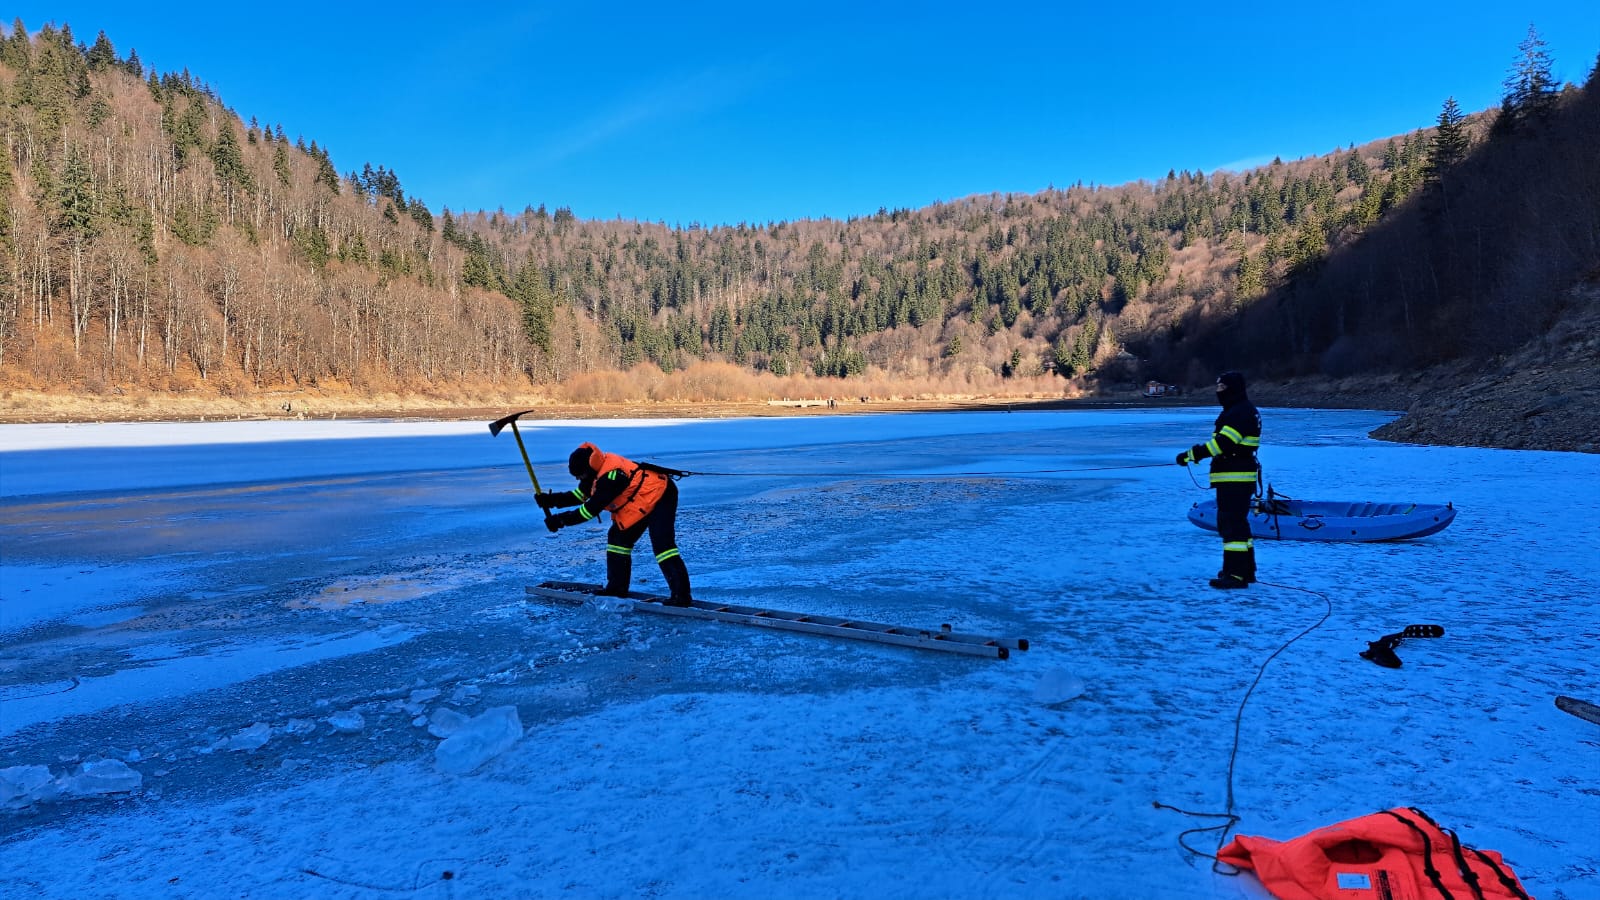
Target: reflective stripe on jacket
(1232,449)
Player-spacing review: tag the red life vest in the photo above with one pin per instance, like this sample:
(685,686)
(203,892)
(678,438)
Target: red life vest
(1398,854)
(644,487)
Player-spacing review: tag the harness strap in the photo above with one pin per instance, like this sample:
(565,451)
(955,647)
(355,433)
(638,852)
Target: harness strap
(1427,855)
(1506,881)
(1472,878)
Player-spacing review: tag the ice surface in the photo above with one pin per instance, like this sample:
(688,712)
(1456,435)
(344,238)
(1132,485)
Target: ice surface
(478,740)
(23,785)
(173,588)
(347,721)
(1057,686)
(249,739)
(101,776)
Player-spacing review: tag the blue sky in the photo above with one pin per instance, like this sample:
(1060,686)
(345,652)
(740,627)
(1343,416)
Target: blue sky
(719,113)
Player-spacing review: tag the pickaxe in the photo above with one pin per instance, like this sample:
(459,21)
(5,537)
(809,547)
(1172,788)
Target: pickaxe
(494,430)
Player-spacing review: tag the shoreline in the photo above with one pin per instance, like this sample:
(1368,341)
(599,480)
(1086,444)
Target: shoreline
(54,409)
(1439,421)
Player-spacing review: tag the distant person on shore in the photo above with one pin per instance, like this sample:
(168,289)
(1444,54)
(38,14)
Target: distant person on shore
(640,497)
(1232,451)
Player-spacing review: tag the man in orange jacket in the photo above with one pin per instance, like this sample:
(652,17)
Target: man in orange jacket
(639,498)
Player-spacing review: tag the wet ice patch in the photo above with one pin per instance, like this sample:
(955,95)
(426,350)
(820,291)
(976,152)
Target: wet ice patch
(91,596)
(356,591)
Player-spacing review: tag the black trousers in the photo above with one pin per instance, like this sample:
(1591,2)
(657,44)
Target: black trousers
(1233,524)
(662,524)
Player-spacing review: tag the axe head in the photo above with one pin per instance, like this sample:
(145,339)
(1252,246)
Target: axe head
(498,425)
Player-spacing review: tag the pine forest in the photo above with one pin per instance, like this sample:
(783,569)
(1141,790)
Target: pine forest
(155,239)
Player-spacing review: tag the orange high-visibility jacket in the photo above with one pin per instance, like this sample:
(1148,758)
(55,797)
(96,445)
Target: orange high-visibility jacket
(644,486)
(1397,854)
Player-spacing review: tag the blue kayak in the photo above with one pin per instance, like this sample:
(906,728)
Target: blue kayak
(1281,518)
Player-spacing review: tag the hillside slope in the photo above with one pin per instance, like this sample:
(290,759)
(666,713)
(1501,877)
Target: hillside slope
(1545,396)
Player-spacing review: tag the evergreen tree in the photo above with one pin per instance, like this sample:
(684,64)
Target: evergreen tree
(16,49)
(229,160)
(419,213)
(326,175)
(1450,141)
(530,290)
(75,198)
(280,164)
(101,56)
(1531,90)
(7,241)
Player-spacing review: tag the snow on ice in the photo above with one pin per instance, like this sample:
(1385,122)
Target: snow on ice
(317,638)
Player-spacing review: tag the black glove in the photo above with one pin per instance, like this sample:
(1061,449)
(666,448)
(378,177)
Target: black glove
(545,499)
(552,523)
(1183,458)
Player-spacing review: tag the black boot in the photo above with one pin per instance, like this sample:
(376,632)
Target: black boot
(677,575)
(1228,582)
(619,574)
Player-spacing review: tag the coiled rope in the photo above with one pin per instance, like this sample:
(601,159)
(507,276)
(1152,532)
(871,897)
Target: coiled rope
(1229,815)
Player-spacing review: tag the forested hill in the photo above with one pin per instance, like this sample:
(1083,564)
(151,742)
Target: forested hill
(154,238)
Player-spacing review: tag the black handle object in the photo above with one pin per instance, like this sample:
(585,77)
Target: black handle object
(1381,651)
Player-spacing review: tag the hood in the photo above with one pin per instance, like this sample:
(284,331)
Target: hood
(584,461)
(1230,389)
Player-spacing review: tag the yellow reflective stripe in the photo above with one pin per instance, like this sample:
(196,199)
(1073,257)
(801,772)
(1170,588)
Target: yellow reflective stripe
(585,513)
(578,492)
(1231,433)
(1232,477)
(1250,442)
(1235,546)
(1212,446)
(665,555)
(620,551)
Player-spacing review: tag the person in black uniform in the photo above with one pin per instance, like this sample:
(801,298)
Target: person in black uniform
(1232,451)
(640,497)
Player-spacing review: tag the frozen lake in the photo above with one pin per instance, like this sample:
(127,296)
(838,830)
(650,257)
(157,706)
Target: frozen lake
(209,603)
